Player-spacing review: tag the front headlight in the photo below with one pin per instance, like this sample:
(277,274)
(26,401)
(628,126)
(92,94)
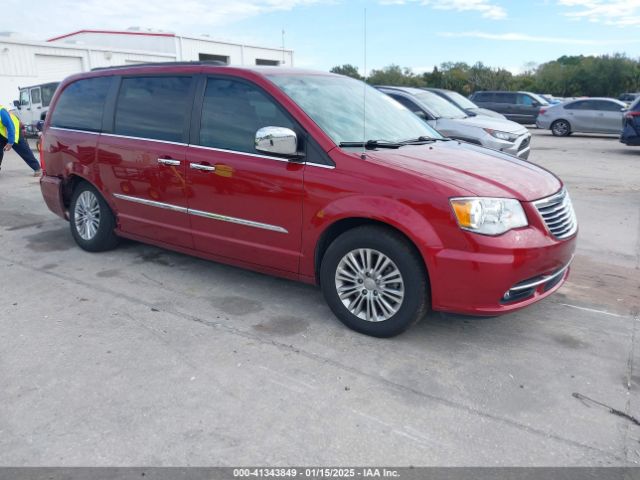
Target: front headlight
(488,216)
(507,137)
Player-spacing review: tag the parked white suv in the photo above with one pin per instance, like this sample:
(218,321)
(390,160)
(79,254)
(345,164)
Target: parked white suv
(34,104)
(495,133)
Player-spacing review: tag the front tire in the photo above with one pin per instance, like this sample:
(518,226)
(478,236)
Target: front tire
(374,281)
(91,220)
(561,128)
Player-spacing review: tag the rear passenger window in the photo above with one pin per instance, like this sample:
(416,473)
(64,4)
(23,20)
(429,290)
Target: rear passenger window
(605,106)
(483,97)
(232,113)
(504,97)
(153,107)
(81,104)
(581,105)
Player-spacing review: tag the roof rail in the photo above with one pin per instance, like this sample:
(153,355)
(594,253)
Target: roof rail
(162,64)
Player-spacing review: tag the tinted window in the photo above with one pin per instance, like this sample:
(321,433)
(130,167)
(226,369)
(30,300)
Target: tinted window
(482,97)
(153,107)
(605,106)
(585,105)
(504,97)
(407,103)
(439,106)
(232,113)
(35,95)
(635,106)
(459,100)
(47,94)
(525,100)
(579,105)
(536,98)
(80,105)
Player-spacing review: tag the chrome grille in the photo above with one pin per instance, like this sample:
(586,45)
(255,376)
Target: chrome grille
(558,215)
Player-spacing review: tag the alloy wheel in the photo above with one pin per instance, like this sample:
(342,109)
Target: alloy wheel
(369,284)
(561,128)
(86,215)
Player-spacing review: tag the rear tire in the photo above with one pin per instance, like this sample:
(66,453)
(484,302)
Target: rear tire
(561,128)
(91,220)
(374,281)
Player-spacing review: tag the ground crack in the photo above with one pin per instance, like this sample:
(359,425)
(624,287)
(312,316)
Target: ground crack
(586,400)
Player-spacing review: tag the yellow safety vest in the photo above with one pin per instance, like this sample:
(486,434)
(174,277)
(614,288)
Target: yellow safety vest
(16,124)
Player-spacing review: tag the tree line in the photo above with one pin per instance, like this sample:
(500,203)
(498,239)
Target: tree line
(568,76)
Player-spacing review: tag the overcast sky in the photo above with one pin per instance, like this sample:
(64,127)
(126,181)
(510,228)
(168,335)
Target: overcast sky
(324,33)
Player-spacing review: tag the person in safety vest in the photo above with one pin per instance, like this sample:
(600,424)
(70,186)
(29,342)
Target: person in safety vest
(10,138)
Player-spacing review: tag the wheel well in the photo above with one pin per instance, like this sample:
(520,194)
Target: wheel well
(341,226)
(69,186)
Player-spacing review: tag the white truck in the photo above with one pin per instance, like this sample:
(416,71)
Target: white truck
(34,104)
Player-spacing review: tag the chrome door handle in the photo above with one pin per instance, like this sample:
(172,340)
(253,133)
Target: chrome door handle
(169,161)
(205,168)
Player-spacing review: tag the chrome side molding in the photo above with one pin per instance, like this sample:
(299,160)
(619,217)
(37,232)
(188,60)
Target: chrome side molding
(202,213)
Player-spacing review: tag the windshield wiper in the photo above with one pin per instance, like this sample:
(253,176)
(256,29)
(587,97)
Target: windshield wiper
(372,144)
(423,140)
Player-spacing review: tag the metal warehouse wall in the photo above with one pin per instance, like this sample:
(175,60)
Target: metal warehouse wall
(23,64)
(147,42)
(190,49)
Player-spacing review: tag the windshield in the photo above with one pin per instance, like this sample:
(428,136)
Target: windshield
(539,99)
(439,106)
(335,104)
(461,101)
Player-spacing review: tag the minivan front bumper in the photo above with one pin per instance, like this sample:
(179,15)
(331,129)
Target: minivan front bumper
(496,275)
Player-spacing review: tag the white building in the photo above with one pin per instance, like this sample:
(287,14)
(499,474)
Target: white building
(26,62)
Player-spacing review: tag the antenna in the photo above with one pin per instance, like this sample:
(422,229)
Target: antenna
(364,96)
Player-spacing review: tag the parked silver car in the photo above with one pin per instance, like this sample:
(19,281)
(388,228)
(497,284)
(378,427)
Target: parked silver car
(463,103)
(587,115)
(498,134)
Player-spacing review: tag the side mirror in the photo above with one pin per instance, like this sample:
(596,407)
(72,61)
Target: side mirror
(535,104)
(277,140)
(16,103)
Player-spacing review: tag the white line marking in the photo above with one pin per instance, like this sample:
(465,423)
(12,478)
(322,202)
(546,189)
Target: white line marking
(603,312)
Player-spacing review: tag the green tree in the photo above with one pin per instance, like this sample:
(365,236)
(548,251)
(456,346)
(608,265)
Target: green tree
(348,70)
(396,76)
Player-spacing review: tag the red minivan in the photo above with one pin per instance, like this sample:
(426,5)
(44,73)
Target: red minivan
(281,171)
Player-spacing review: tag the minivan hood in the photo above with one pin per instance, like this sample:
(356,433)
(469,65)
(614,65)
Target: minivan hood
(493,123)
(474,169)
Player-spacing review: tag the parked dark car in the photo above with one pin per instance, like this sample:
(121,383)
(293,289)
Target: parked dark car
(631,125)
(629,97)
(463,103)
(521,107)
